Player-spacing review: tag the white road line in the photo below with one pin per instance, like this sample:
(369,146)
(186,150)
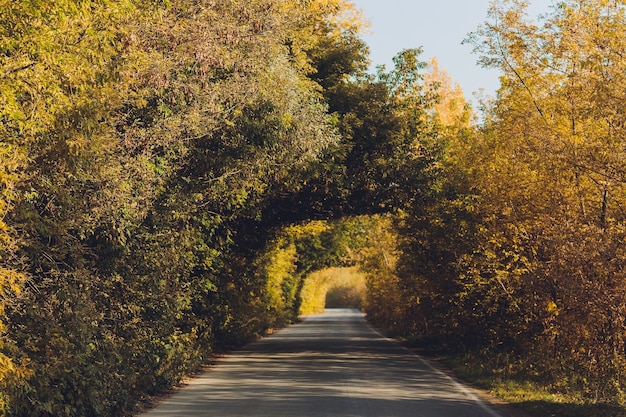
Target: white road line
(458,385)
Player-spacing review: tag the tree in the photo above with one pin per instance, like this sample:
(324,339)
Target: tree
(552,177)
(451,108)
(141,141)
(12,277)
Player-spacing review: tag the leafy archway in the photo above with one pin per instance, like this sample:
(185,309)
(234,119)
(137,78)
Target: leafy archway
(342,287)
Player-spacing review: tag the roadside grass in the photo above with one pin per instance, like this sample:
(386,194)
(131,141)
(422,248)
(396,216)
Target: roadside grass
(516,390)
(529,396)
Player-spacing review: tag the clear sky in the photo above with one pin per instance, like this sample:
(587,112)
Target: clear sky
(439,27)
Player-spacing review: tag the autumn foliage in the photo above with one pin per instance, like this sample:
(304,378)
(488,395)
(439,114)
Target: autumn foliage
(176,178)
(516,257)
(140,144)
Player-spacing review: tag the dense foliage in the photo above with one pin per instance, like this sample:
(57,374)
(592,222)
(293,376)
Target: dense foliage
(516,257)
(175,174)
(140,144)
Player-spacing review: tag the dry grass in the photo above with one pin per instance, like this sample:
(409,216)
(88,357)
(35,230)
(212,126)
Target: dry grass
(535,399)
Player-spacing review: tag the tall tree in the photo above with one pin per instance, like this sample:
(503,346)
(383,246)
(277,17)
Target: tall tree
(552,177)
(140,140)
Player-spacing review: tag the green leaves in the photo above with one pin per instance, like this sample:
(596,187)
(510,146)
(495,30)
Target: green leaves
(141,144)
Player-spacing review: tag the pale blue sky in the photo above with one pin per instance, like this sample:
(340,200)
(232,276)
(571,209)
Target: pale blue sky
(439,26)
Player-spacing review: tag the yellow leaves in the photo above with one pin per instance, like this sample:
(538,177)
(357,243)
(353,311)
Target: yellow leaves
(341,15)
(318,285)
(318,21)
(10,370)
(451,108)
(11,282)
(346,18)
(12,159)
(552,308)
(314,227)
(546,169)
(56,78)
(7,369)
(111,109)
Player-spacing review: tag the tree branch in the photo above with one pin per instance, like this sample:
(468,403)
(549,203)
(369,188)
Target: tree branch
(18,69)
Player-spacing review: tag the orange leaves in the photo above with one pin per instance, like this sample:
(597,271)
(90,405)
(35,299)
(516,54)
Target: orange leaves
(450,108)
(549,175)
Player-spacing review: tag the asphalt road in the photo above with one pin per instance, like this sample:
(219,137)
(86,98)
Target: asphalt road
(333,364)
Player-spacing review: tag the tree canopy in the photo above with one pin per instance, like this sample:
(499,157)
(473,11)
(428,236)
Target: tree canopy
(516,257)
(175,177)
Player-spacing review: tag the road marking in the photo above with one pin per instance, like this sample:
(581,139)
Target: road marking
(458,385)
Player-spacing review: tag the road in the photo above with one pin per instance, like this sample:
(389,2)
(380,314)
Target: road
(333,364)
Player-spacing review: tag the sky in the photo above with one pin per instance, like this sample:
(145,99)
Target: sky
(439,27)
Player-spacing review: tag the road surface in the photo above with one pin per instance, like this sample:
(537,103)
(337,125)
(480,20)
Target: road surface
(333,364)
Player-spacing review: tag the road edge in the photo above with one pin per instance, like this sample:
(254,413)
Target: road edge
(493,405)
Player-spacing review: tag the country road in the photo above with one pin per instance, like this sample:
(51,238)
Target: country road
(333,364)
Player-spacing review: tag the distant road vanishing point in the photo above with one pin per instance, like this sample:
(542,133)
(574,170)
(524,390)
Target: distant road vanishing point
(329,365)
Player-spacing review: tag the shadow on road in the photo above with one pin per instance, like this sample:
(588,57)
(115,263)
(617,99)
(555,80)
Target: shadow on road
(329,365)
